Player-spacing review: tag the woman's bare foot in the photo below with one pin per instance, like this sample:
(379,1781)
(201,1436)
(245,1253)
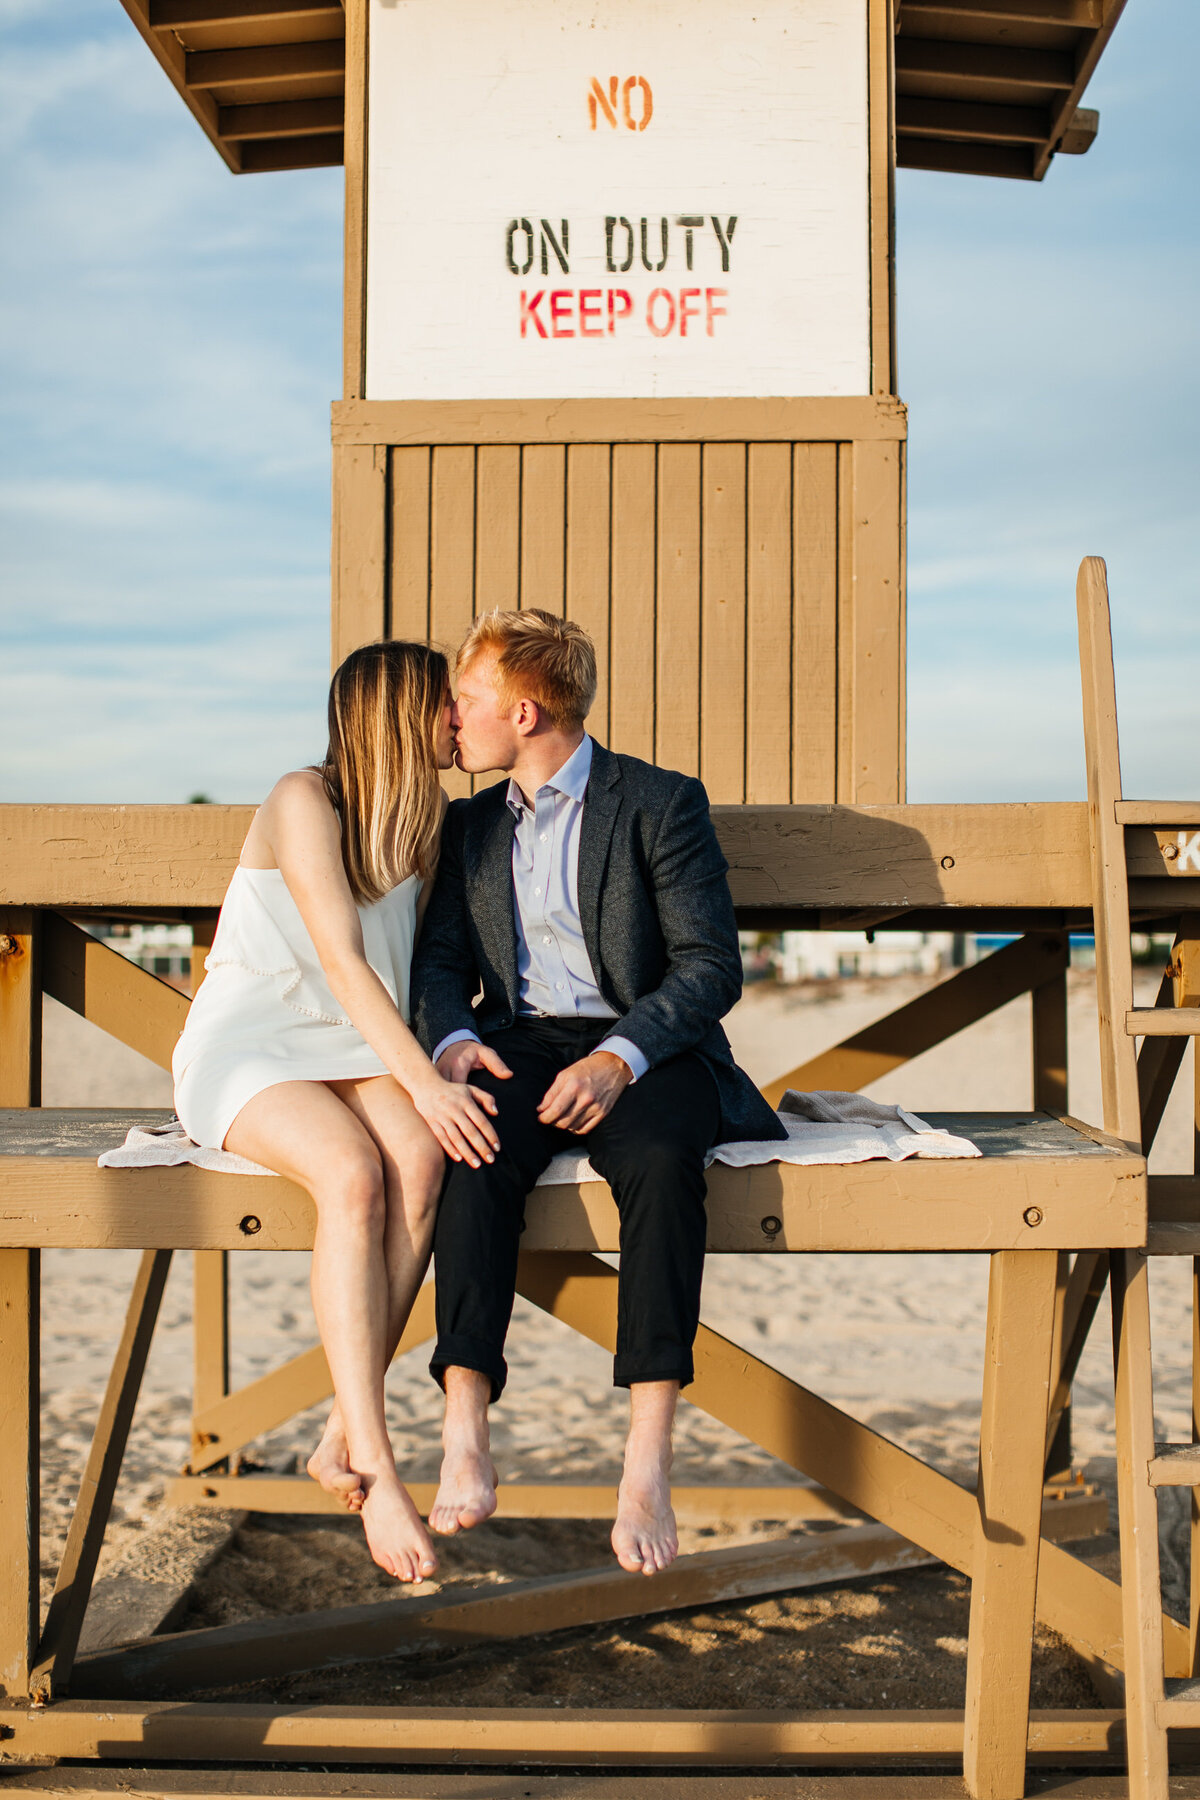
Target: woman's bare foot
(396,1538)
(466,1493)
(329,1465)
(644,1538)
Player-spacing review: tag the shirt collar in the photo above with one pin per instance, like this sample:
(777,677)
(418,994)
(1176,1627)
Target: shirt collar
(571,779)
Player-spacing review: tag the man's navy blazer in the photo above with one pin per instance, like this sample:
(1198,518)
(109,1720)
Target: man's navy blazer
(656,915)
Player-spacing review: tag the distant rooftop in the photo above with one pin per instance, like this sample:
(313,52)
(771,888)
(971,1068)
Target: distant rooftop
(983,87)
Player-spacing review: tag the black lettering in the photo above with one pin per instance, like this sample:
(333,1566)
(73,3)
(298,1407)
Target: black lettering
(515,225)
(724,238)
(610,226)
(560,251)
(646,263)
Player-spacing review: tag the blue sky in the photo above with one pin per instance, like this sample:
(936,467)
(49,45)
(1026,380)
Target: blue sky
(170,342)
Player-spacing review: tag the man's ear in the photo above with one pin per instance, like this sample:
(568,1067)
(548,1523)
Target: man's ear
(526,716)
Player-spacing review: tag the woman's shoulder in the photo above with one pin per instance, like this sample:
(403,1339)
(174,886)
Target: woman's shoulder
(300,790)
(298,803)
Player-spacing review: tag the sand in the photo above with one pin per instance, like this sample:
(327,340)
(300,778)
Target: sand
(897,1341)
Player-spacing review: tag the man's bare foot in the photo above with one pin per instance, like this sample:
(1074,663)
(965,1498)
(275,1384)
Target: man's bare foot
(644,1538)
(466,1493)
(396,1538)
(329,1465)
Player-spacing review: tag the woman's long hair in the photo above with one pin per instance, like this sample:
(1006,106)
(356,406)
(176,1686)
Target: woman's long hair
(380,771)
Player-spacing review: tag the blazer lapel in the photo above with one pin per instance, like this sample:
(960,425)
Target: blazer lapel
(490,893)
(602,803)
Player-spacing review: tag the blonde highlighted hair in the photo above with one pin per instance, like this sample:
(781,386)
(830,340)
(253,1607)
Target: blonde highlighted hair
(380,770)
(539,657)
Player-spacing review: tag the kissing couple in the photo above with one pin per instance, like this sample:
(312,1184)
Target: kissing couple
(412,1006)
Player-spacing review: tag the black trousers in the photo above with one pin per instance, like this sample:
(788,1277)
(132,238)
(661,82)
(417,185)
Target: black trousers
(650,1149)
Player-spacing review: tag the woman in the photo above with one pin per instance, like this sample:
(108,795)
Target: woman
(297,1054)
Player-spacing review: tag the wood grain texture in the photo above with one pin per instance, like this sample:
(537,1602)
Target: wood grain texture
(881,126)
(452,563)
(589,522)
(814,700)
(543,526)
(769,561)
(410,498)
(723,622)
(873,648)
(677,712)
(360,605)
(111,992)
(830,420)
(631,674)
(21,930)
(497,527)
(20,1491)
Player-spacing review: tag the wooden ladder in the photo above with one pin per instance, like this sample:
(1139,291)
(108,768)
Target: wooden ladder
(1135,1090)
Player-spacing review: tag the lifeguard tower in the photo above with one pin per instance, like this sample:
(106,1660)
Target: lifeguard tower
(619,342)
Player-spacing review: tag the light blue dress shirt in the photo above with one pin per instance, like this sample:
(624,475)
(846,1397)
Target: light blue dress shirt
(555,978)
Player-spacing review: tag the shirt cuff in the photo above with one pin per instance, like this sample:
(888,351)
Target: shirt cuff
(628,1053)
(454,1037)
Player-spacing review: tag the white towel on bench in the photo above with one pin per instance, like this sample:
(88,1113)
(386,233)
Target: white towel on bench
(826,1127)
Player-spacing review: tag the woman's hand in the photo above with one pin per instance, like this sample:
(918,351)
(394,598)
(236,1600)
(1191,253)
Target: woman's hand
(457,1115)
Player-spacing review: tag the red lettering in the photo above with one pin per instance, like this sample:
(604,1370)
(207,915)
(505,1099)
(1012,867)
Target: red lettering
(587,311)
(713,311)
(561,302)
(686,312)
(615,294)
(529,313)
(660,331)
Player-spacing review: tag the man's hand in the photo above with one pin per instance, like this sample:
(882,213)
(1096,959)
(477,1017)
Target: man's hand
(585,1092)
(461,1059)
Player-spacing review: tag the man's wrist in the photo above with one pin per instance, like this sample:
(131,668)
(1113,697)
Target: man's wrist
(462,1036)
(628,1053)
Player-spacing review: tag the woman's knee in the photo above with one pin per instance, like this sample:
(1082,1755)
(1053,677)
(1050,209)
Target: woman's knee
(419,1173)
(353,1190)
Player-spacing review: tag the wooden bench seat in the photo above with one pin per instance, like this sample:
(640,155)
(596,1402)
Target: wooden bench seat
(1044,1182)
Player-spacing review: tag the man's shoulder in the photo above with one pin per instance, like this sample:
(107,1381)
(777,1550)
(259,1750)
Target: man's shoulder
(650,783)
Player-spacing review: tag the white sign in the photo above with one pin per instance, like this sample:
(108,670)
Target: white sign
(658,197)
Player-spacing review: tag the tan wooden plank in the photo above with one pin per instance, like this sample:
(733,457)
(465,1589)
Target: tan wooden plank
(72,1589)
(869,619)
(617,421)
(210,1329)
(1049,1003)
(1137,1511)
(354,228)
(452,563)
(108,990)
(723,622)
(847,591)
(769,623)
(589,517)
(1031,855)
(882,160)
(21,977)
(182,1661)
(20,1486)
(497,526)
(231,1421)
(359,548)
(814,621)
(246,1733)
(1167,813)
(1012,1433)
(1159,1021)
(677,639)
(955,1003)
(408,613)
(543,525)
(631,655)
(877,1477)
(1114,971)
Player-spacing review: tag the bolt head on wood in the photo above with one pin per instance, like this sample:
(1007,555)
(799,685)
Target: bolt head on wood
(1033,1215)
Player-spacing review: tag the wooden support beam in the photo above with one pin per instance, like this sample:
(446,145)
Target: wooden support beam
(950,13)
(262,1648)
(227,1425)
(1015,65)
(574,1736)
(875,1476)
(109,991)
(282,118)
(1012,1437)
(72,1589)
(259,156)
(1031,962)
(179,15)
(277,64)
(957,156)
(1155,1021)
(1049,1000)
(973,120)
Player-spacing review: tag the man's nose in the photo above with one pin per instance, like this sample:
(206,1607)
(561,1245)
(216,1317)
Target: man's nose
(455,718)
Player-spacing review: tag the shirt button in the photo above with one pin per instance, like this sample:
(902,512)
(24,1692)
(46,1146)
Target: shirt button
(537,890)
(547,940)
(543,837)
(559,986)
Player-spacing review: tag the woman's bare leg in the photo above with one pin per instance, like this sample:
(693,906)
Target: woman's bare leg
(413,1166)
(306,1132)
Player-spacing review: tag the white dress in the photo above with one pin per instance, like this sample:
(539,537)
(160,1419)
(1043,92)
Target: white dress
(265,1014)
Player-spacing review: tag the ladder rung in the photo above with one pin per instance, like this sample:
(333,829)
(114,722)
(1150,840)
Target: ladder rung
(1158,812)
(1173,1237)
(1176,1465)
(1163,1021)
(1180,1705)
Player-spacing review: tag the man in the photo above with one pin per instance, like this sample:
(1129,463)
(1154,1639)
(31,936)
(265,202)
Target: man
(587,898)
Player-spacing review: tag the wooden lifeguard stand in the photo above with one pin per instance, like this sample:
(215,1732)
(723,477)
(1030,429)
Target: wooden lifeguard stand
(618,341)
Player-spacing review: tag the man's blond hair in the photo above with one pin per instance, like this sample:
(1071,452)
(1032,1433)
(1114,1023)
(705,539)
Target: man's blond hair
(539,657)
